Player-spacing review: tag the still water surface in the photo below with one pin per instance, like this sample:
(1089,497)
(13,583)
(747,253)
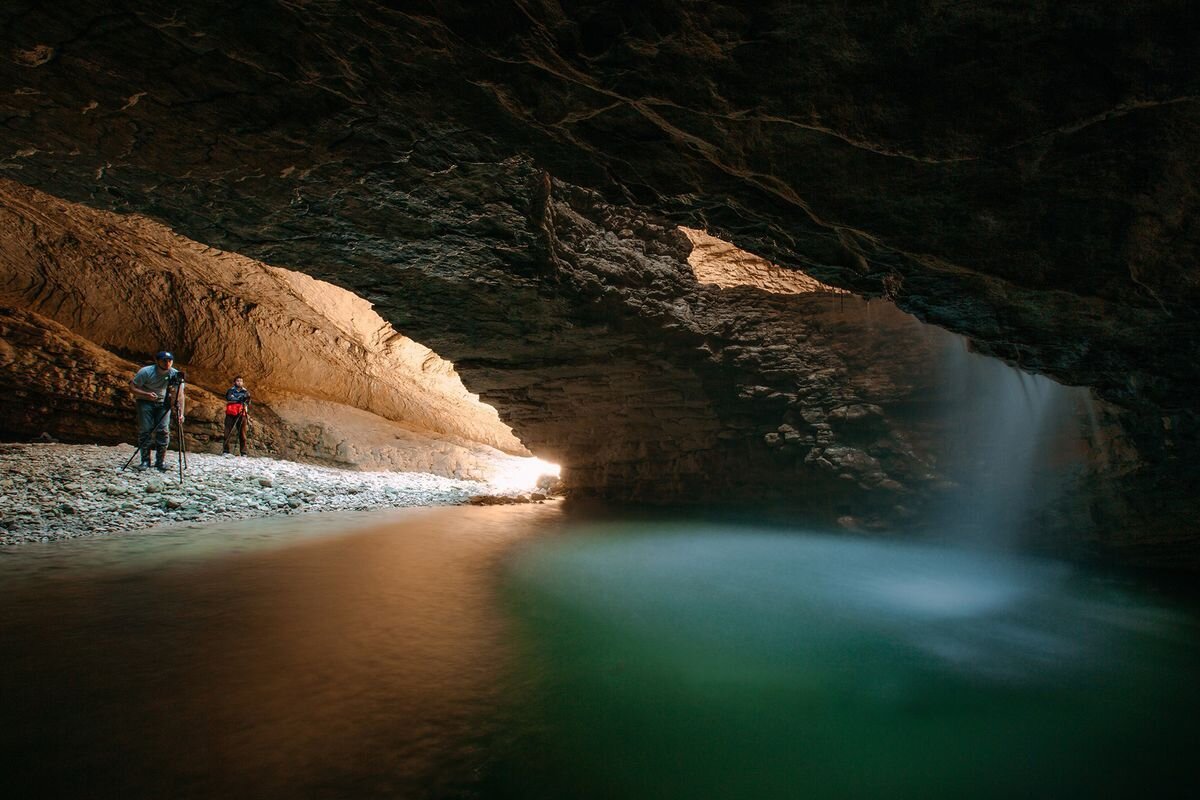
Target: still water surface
(512,652)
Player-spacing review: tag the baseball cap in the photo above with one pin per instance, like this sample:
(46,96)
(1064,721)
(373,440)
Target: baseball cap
(164,355)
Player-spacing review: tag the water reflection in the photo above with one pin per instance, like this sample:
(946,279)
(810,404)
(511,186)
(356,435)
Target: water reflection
(362,665)
(512,652)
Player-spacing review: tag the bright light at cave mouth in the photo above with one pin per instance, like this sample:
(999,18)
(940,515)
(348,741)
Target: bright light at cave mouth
(521,474)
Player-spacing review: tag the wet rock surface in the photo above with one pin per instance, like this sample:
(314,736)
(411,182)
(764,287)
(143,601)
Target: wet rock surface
(55,491)
(503,182)
(1022,175)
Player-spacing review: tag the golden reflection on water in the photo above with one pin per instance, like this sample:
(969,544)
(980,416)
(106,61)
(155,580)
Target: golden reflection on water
(372,659)
(477,653)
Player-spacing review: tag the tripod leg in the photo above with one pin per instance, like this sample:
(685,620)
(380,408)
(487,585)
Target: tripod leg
(179,446)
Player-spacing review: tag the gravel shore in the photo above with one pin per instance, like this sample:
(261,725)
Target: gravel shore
(59,491)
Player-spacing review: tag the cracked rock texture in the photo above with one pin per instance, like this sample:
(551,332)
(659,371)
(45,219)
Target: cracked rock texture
(762,384)
(503,182)
(1022,175)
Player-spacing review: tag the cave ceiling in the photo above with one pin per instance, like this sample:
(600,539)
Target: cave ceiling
(503,179)
(1023,174)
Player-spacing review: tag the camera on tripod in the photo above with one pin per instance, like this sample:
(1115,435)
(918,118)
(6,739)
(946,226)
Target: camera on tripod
(174,384)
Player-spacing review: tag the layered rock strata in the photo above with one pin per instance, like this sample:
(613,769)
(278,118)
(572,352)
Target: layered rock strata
(57,383)
(1021,176)
(718,262)
(132,287)
(652,383)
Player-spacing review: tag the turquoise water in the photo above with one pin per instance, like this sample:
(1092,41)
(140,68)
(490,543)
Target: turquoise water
(707,662)
(516,652)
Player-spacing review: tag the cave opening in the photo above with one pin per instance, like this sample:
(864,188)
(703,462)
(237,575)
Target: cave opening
(88,296)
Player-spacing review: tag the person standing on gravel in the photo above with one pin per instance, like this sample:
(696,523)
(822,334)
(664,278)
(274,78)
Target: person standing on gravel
(237,413)
(151,385)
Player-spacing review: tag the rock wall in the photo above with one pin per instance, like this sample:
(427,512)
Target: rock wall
(133,287)
(55,383)
(648,385)
(1025,176)
(645,379)
(718,262)
(52,381)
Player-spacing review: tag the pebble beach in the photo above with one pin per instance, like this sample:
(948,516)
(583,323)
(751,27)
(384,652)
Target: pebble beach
(61,491)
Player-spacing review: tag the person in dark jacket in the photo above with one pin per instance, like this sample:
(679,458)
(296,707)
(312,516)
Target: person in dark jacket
(237,413)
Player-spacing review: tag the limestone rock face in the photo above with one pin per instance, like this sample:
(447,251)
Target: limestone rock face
(718,262)
(645,380)
(504,184)
(648,385)
(133,287)
(52,381)
(1025,176)
(56,382)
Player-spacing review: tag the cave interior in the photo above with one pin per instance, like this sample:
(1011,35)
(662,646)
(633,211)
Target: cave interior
(789,257)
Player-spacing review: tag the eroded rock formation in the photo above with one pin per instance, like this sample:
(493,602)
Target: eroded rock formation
(315,354)
(1008,173)
(55,382)
(132,286)
(1024,176)
(718,262)
(678,373)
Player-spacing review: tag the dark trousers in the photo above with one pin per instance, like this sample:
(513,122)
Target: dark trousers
(237,421)
(153,428)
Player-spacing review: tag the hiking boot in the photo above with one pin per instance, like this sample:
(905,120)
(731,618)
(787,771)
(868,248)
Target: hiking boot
(161,468)
(142,467)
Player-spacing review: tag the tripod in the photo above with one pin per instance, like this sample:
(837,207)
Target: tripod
(181,445)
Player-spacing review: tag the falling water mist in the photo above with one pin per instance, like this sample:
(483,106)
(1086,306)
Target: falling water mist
(1011,442)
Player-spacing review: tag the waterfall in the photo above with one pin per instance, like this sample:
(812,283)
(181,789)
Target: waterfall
(1009,442)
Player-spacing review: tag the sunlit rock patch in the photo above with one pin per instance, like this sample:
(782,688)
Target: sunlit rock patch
(718,262)
(89,294)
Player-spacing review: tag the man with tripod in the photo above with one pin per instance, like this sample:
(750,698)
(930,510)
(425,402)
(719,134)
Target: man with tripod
(158,389)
